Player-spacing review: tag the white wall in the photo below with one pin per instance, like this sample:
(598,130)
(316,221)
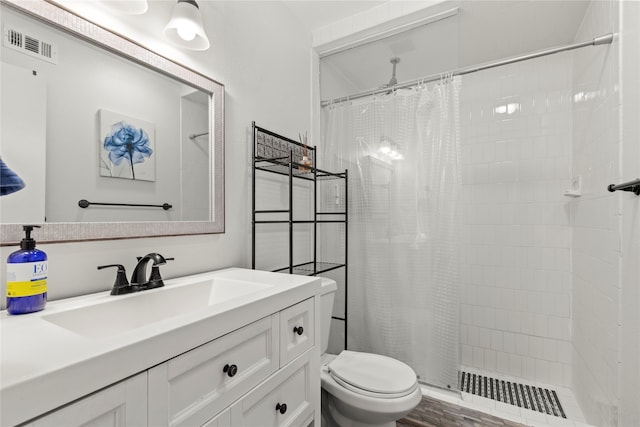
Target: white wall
(263,56)
(606,226)
(195,158)
(629,367)
(516,139)
(23,117)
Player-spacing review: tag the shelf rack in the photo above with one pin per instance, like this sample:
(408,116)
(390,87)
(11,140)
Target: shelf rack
(273,153)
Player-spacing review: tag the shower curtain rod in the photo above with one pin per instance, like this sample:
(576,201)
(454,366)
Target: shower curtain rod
(604,39)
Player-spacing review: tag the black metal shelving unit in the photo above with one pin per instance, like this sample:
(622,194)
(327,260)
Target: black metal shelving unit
(273,153)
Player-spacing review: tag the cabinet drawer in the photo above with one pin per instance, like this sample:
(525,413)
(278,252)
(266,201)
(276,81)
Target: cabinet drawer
(296,330)
(264,406)
(192,388)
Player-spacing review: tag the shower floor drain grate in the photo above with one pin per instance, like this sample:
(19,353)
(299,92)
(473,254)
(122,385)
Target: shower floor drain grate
(522,395)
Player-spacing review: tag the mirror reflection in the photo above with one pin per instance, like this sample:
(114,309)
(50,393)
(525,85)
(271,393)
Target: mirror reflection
(102,129)
(100,138)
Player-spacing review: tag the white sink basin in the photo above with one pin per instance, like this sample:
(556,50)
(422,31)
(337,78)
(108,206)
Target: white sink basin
(119,314)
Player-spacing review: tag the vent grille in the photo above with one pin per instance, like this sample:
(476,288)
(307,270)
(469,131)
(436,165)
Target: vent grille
(524,396)
(46,50)
(14,38)
(29,44)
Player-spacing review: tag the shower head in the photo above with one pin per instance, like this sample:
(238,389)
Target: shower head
(393,81)
(395,60)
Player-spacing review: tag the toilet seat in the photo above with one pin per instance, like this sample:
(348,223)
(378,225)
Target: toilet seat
(373,375)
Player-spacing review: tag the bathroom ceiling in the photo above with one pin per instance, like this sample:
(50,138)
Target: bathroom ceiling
(315,14)
(482,31)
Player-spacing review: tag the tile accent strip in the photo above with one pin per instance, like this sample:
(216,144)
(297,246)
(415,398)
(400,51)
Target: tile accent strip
(524,396)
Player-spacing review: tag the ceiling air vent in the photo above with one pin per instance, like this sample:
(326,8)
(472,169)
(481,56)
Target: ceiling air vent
(30,45)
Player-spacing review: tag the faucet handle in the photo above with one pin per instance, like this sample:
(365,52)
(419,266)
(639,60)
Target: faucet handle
(121,285)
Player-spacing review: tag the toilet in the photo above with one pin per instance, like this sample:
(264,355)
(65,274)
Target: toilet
(362,389)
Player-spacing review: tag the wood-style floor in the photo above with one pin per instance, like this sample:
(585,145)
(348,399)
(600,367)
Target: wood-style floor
(435,413)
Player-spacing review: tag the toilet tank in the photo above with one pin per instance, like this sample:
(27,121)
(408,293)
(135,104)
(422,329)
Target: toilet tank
(327,295)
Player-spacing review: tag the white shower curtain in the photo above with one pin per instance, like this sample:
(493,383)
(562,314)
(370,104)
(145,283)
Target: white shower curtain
(402,151)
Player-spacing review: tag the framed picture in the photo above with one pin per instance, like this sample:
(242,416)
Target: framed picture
(127,147)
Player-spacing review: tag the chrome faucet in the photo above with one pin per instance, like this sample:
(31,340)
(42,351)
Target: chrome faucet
(138,279)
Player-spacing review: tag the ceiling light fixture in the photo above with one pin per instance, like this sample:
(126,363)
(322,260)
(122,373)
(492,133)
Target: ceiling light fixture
(185,28)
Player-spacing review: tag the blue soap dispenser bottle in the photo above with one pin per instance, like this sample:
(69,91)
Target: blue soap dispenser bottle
(27,276)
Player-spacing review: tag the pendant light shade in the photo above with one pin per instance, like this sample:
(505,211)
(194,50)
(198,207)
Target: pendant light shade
(10,182)
(186,29)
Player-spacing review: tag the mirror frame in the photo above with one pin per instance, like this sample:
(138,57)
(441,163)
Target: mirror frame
(65,20)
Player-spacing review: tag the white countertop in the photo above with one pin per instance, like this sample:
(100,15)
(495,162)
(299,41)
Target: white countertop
(44,366)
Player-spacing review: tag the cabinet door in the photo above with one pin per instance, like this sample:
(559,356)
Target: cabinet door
(195,386)
(296,330)
(122,404)
(285,399)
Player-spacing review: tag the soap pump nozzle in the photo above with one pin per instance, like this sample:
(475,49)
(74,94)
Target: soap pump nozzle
(28,243)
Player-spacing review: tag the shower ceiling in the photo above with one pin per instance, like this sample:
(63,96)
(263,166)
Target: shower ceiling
(482,31)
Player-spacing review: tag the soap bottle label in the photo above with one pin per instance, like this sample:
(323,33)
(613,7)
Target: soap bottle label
(26,279)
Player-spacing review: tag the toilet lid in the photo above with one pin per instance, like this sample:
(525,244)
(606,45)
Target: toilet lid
(368,374)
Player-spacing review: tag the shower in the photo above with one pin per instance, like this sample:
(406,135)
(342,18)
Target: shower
(501,296)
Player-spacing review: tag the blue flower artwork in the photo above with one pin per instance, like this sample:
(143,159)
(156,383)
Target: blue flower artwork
(127,149)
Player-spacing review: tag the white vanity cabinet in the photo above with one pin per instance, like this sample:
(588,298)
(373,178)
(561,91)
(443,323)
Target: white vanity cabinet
(266,368)
(122,404)
(241,350)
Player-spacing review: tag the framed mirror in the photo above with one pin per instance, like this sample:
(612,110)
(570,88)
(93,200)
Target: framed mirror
(112,140)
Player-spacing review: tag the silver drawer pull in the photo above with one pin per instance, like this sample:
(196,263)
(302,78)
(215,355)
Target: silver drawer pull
(298,330)
(230,370)
(282,408)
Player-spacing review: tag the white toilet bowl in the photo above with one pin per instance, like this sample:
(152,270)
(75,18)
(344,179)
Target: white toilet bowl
(347,404)
(362,389)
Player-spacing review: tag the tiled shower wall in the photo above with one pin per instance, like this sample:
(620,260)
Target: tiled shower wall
(596,219)
(516,127)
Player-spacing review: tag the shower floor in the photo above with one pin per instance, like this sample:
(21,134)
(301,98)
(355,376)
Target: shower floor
(522,395)
(514,413)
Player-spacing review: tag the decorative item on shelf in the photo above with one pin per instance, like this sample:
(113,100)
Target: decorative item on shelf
(305,163)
